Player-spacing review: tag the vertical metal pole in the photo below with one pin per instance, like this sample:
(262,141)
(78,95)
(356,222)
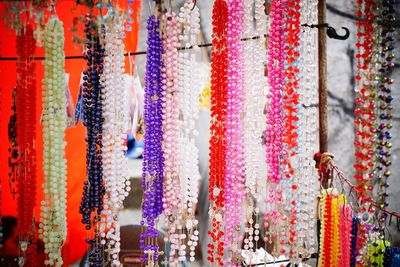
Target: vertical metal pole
(322,82)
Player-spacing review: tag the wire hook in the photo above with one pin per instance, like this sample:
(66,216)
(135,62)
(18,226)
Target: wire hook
(331,32)
(194,2)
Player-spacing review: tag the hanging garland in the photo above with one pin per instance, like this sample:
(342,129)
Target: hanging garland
(153,159)
(115,125)
(217,131)
(93,189)
(53,226)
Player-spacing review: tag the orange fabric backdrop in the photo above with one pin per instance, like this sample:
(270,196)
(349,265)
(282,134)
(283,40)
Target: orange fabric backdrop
(75,137)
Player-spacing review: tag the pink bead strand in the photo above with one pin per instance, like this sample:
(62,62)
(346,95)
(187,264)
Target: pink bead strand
(274,129)
(234,174)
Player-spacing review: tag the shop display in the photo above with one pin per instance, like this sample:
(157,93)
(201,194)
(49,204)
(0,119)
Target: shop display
(268,184)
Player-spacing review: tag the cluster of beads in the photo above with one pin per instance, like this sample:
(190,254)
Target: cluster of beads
(53,225)
(115,125)
(353,242)
(365,101)
(218,131)
(13,158)
(254,54)
(365,117)
(274,125)
(93,190)
(307,186)
(129,20)
(383,125)
(234,161)
(329,235)
(172,202)
(391,257)
(290,138)
(153,159)
(345,223)
(26,132)
(188,92)
(376,251)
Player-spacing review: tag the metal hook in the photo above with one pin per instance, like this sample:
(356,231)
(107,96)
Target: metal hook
(331,32)
(194,4)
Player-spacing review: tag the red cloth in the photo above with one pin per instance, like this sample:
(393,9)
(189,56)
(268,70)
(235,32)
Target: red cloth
(75,247)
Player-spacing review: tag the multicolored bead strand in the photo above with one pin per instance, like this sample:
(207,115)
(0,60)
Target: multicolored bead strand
(218,110)
(290,139)
(115,125)
(255,87)
(329,236)
(153,159)
(26,133)
(93,189)
(365,119)
(234,172)
(172,199)
(275,126)
(189,90)
(365,106)
(386,37)
(53,221)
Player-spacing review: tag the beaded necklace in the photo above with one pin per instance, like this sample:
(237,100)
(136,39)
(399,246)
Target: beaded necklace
(188,92)
(290,138)
(307,187)
(329,236)
(93,189)
(26,132)
(53,221)
(115,125)
(234,158)
(217,131)
(365,120)
(353,245)
(153,159)
(254,53)
(384,99)
(172,202)
(392,257)
(345,223)
(274,127)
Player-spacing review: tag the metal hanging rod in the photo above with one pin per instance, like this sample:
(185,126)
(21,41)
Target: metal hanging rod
(128,53)
(331,33)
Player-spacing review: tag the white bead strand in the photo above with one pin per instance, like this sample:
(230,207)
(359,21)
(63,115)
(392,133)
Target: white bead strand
(53,221)
(308,184)
(115,110)
(189,90)
(255,84)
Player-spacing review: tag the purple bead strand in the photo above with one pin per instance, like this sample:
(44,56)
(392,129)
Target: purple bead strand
(153,160)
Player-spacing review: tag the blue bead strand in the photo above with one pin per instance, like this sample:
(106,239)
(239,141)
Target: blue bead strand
(93,189)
